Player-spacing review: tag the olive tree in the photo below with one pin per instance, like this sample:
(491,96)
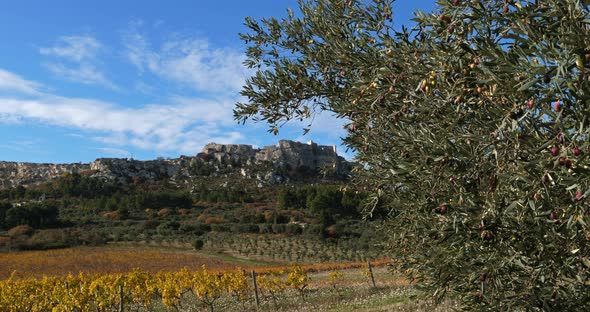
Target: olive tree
(470,127)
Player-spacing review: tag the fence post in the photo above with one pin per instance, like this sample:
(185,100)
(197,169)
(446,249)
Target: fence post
(121,298)
(371,272)
(255,288)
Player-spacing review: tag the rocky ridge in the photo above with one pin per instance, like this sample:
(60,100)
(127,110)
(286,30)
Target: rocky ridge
(269,165)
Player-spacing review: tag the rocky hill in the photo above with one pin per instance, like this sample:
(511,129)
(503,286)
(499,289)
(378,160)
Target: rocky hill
(270,165)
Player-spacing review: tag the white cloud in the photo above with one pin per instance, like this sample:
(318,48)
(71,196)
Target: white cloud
(75,135)
(176,125)
(114,151)
(76,48)
(9,119)
(144,88)
(84,74)
(78,55)
(15,83)
(192,62)
(183,124)
(138,50)
(163,127)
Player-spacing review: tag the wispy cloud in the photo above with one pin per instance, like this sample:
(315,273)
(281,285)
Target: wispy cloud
(77,57)
(192,62)
(75,135)
(75,48)
(182,124)
(112,151)
(84,74)
(144,88)
(160,127)
(15,83)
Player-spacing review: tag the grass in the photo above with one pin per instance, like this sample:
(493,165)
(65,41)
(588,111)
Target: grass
(301,249)
(359,298)
(352,295)
(124,258)
(60,262)
(241,261)
(352,298)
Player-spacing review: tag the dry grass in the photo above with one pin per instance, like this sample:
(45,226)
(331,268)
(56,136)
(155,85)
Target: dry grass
(60,262)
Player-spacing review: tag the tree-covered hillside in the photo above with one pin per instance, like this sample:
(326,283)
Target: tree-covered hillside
(78,209)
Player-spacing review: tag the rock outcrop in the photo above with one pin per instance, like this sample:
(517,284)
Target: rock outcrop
(228,153)
(151,169)
(288,153)
(20,173)
(269,165)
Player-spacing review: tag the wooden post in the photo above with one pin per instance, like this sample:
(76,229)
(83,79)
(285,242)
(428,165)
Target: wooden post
(121,298)
(255,288)
(371,272)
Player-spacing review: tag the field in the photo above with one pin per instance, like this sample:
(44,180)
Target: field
(164,283)
(291,248)
(60,262)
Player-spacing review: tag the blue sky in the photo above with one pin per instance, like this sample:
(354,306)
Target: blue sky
(81,80)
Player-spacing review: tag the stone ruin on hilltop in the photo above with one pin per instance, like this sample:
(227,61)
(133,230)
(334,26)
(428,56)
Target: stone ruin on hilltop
(268,165)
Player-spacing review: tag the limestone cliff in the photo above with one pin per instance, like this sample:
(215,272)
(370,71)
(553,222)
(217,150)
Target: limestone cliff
(269,165)
(19,173)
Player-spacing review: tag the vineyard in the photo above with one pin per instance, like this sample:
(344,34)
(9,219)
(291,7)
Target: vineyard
(293,249)
(138,289)
(90,260)
(186,290)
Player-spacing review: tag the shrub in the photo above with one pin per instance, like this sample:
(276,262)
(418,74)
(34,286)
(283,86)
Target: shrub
(92,238)
(4,241)
(186,227)
(264,228)
(112,215)
(184,212)
(200,227)
(167,228)
(214,220)
(165,212)
(293,229)
(20,230)
(244,228)
(47,239)
(220,227)
(278,228)
(150,224)
(313,230)
(333,231)
(198,244)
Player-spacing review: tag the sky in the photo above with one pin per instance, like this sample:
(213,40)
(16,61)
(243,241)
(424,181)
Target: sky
(81,80)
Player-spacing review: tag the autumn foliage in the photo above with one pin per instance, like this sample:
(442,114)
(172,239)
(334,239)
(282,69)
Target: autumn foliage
(140,289)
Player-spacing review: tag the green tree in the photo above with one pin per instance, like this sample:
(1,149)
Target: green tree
(198,244)
(471,128)
(4,206)
(123,211)
(112,204)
